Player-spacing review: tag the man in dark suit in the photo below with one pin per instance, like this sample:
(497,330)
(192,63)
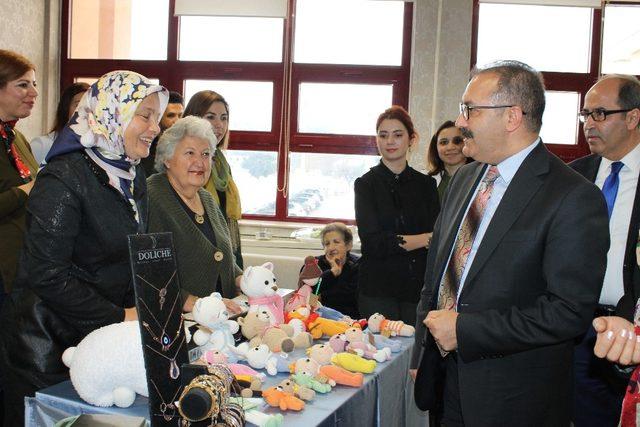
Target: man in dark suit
(514,269)
(611,117)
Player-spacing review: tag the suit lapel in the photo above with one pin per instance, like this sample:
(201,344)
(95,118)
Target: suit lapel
(522,188)
(457,211)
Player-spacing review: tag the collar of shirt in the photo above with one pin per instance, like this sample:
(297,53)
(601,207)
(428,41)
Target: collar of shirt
(631,162)
(509,166)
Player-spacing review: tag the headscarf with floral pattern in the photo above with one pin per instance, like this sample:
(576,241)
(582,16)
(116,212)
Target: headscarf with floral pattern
(99,123)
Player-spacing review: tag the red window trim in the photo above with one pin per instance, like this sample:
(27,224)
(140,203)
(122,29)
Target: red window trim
(172,73)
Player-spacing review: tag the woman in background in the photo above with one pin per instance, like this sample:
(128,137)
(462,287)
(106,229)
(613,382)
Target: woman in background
(17,166)
(445,155)
(179,204)
(74,274)
(66,107)
(214,108)
(396,209)
(338,288)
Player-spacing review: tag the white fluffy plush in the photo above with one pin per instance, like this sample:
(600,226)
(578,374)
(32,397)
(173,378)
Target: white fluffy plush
(107,366)
(217,330)
(259,285)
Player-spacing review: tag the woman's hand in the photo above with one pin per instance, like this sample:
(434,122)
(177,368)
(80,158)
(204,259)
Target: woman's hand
(336,267)
(616,340)
(130,314)
(238,282)
(232,307)
(26,188)
(415,241)
(187,307)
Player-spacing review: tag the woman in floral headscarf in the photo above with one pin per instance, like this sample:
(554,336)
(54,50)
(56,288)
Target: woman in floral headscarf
(74,275)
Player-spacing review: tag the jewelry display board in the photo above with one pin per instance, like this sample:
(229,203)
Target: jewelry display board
(159,305)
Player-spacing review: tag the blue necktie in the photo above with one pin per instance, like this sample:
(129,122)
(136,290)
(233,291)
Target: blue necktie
(610,187)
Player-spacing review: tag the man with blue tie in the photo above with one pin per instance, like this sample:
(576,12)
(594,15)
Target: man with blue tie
(611,124)
(515,266)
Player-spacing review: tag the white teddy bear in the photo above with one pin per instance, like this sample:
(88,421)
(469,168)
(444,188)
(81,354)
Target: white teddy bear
(259,285)
(217,332)
(107,366)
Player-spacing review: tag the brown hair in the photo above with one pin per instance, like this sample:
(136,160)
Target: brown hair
(432,155)
(200,103)
(12,66)
(398,113)
(62,113)
(339,227)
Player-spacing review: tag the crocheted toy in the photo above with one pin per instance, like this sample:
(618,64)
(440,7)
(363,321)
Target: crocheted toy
(338,343)
(322,353)
(107,366)
(307,373)
(259,285)
(380,342)
(215,330)
(261,357)
(353,362)
(277,397)
(316,325)
(379,324)
(298,391)
(256,327)
(356,343)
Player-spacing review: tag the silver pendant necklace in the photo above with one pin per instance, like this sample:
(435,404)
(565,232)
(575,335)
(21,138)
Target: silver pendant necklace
(162,292)
(164,339)
(174,369)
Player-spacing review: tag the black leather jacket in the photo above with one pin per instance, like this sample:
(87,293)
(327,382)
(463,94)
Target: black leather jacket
(74,274)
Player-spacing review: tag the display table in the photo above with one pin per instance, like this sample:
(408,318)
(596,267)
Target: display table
(385,399)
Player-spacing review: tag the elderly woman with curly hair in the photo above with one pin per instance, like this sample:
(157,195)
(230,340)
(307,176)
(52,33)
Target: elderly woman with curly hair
(179,204)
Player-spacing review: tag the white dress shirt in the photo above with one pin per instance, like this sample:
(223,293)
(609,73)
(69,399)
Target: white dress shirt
(507,169)
(613,288)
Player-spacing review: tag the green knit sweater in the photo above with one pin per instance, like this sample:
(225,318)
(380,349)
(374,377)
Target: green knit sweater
(198,269)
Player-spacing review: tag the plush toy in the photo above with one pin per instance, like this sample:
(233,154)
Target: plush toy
(259,285)
(379,324)
(256,328)
(316,325)
(338,343)
(107,366)
(356,343)
(298,391)
(215,330)
(310,273)
(322,353)
(277,397)
(333,314)
(307,373)
(380,342)
(261,357)
(213,357)
(353,362)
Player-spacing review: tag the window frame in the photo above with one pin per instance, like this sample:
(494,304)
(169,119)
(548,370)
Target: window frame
(557,81)
(172,73)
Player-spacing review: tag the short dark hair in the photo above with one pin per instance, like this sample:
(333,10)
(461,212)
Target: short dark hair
(398,113)
(12,66)
(175,98)
(518,84)
(339,227)
(62,112)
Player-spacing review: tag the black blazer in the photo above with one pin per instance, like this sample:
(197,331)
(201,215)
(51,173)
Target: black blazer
(530,291)
(388,205)
(588,167)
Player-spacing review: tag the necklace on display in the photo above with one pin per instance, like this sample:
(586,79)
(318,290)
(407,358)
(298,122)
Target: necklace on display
(164,405)
(162,292)
(164,339)
(174,370)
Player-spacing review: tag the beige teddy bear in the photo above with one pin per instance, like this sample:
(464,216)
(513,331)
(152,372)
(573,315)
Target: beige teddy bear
(256,328)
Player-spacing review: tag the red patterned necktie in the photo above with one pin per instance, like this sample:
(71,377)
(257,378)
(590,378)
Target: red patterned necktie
(448,292)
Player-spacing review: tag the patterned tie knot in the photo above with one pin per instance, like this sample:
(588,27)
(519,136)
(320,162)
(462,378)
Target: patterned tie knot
(492,175)
(616,166)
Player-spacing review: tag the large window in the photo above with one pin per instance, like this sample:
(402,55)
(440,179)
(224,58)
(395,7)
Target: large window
(572,46)
(304,90)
